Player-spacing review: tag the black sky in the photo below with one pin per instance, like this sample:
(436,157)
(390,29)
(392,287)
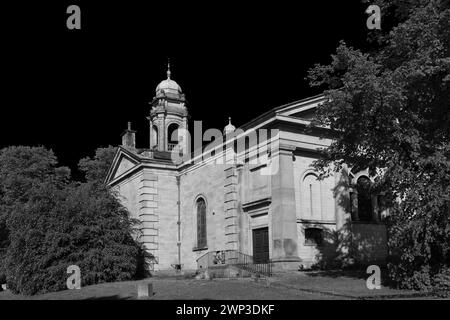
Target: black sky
(75,90)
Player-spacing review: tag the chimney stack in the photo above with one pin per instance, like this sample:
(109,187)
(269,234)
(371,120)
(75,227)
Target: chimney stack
(129,138)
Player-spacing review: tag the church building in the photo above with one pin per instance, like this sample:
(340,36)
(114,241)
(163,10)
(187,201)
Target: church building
(274,209)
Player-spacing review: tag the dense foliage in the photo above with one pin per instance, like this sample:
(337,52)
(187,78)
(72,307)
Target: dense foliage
(95,169)
(390,112)
(52,222)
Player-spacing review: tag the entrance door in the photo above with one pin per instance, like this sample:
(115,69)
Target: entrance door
(261,245)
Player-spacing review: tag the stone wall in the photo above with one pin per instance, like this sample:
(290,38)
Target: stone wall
(326,203)
(240,199)
(128,195)
(207,181)
(166,214)
(312,254)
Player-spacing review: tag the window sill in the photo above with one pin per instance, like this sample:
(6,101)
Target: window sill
(199,248)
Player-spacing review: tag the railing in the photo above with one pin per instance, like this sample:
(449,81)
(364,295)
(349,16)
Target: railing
(171,146)
(232,257)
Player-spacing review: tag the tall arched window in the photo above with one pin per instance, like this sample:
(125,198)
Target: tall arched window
(311,197)
(201,223)
(363,186)
(172,138)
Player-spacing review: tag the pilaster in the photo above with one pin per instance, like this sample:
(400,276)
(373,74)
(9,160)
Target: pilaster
(148,214)
(283,212)
(231,212)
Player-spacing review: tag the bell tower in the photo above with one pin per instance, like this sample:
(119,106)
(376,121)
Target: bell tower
(168,114)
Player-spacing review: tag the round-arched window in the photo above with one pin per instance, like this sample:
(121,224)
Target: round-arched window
(201,222)
(172,134)
(363,186)
(311,197)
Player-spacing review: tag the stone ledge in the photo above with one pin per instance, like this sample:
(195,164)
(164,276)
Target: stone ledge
(199,249)
(257,203)
(149,190)
(148,204)
(149,218)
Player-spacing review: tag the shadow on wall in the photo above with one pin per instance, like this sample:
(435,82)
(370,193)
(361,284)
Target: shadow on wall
(354,244)
(144,263)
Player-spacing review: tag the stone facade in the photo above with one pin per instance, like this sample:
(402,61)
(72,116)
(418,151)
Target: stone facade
(307,220)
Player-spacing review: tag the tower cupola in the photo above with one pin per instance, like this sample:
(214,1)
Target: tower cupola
(168,114)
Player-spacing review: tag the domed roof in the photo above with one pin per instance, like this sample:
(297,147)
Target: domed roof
(229,127)
(168,85)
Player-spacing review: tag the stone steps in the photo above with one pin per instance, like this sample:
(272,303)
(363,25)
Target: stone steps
(224,271)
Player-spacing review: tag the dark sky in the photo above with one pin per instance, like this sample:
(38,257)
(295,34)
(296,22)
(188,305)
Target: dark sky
(74,90)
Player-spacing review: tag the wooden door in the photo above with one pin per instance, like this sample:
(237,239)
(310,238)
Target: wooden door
(261,245)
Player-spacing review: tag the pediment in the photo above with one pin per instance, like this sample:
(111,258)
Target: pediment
(303,109)
(122,163)
(123,167)
(306,115)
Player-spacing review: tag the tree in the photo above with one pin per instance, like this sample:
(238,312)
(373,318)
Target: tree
(96,169)
(22,169)
(53,222)
(389,111)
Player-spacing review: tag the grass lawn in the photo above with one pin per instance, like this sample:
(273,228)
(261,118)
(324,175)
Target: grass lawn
(292,286)
(344,284)
(175,289)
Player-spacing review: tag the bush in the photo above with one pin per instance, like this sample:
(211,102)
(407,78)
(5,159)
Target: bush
(81,225)
(441,283)
(49,222)
(420,250)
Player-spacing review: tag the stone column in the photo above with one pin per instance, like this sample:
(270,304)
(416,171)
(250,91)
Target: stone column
(283,215)
(151,131)
(163,133)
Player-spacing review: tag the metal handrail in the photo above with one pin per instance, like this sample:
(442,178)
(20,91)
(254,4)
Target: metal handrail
(235,258)
(171,146)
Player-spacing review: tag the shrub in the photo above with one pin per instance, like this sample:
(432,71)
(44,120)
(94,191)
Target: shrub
(52,222)
(81,225)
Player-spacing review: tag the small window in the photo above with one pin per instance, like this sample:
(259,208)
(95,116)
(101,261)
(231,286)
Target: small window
(313,236)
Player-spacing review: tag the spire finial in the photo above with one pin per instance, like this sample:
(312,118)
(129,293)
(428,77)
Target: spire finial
(129,125)
(168,68)
(229,127)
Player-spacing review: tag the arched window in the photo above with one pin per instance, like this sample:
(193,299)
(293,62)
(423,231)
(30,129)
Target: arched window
(311,197)
(155,136)
(201,223)
(172,136)
(363,186)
